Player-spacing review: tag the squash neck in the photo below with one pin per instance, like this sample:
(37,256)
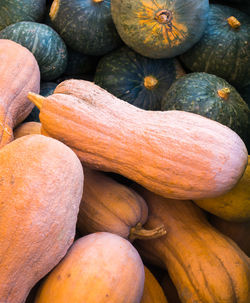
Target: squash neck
(224,93)
(138,232)
(233,22)
(54,9)
(150,82)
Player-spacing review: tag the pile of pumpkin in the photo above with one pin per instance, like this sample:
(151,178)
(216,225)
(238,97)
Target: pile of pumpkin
(124,128)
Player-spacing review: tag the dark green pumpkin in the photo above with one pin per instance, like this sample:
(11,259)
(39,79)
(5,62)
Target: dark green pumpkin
(138,80)
(160,28)
(12,11)
(224,49)
(245,94)
(212,97)
(46,45)
(85,26)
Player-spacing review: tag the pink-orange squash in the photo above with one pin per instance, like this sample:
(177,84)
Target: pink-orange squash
(27,128)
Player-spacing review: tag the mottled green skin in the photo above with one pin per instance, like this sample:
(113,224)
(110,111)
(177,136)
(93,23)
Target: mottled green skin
(122,73)
(12,11)
(245,94)
(198,93)
(223,51)
(86,26)
(136,24)
(46,45)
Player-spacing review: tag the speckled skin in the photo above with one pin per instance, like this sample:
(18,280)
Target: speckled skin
(198,93)
(223,51)
(136,24)
(12,11)
(86,26)
(122,73)
(46,45)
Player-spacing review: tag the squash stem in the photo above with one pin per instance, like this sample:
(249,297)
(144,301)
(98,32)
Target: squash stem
(150,82)
(224,93)
(54,9)
(233,22)
(36,99)
(138,232)
(97,1)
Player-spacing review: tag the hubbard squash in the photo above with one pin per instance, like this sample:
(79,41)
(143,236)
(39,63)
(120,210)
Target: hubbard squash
(19,75)
(204,265)
(100,267)
(173,153)
(112,207)
(41,187)
(27,128)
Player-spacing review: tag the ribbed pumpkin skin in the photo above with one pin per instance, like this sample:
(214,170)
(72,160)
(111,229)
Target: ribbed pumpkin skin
(222,50)
(98,268)
(124,74)
(46,45)
(85,26)
(204,265)
(41,188)
(199,93)
(12,11)
(19,75)
(148,147)
(137,24)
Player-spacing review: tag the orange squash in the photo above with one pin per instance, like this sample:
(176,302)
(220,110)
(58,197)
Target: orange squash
(113,207)
(169,289)
(41,187)
(204,265)
(176,154)
(27,128)
(19,74)
(98,268)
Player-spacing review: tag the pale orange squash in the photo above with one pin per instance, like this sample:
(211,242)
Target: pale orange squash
(176,154)
(98,268)
(41,187)
(27,128)
(19,74)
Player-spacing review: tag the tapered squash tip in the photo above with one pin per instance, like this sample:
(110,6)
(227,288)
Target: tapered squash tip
(36,99)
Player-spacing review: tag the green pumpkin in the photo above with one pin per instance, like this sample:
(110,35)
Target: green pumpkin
(85,26)
(224,49)
(245,94)
(212,97)
(160,28)
(138,80)
(13,11)
(46,45)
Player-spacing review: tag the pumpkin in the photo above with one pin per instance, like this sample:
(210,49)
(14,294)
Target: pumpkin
(224,49)
(169,289)
(245,93)
(234,205)
(136,79)
(12,11)
(85,26)
(27,128)
(181,155)
(41,187)
(100,267)
(160,29)
(204,265)
(19,75)
(46,45)
(212,97)
(112,207)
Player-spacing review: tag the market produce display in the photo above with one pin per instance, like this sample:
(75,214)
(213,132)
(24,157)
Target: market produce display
(124,151)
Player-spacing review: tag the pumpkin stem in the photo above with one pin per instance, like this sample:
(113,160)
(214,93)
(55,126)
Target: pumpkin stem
(36,99)
(54,9)
(97,1)
(164,16)
(224,93)
(138,232)
(150,82)
(233,22)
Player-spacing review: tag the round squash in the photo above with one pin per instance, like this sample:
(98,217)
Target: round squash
(46,45)
(224,49)
(27,128)
(85,26)
(160,28)
(98,268)
(136,79)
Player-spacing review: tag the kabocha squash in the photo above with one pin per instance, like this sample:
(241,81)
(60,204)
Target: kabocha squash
(204,265)
(160,28)
(112,207)
(224,49)
(173,153)
(98,268)
(44,42)
(41,187)
(235,204)
(19,75)
(85,26)
(212,97)
(27,128)
(136,79)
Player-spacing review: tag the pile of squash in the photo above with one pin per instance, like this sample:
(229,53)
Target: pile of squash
(124,138)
